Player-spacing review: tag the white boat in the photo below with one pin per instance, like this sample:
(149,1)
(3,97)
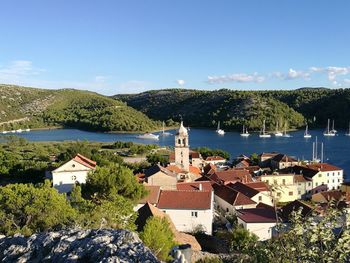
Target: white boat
(245,132)
(27,130)
(348,133)
(219,131)
(148,136)
(333,130)
(164,133)
(328,132)
(285,134)
(306,133)
(263,133)
(278,133)
(4,132)
(13,131)
(19,130)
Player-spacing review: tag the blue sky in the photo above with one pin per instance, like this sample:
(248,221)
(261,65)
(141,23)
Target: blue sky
(131,46)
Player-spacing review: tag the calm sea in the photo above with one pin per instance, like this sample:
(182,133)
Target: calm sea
(336,149)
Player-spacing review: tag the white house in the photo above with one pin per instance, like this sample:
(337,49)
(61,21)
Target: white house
(188,209)
(259,221)
(72,172)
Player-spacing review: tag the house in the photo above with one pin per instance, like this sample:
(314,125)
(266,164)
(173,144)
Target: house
(231,176)
(324,176)
(265,159)
(256,191)
(152,197)
(148,210)
(209,169)
(304,186)
(196,159)
(259,221)
(188,209)
(282,186)
(282,161)
(160,176)
(243,164)
(285,213)
(215,160)
(198,186)
(230,200)
(328,197)
(74,171)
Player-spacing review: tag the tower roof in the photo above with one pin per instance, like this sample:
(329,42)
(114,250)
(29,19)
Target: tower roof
(182,130)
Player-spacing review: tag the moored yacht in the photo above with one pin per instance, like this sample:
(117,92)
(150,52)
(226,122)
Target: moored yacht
(277,132)
(306,133)
(219,131)
(328,132)
(245,132)
(348,133)
(263,133)
(149,136)
(164,133)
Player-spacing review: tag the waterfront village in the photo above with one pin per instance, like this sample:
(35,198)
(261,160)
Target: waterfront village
(203,194)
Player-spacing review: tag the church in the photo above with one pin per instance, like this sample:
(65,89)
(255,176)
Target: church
(184,165)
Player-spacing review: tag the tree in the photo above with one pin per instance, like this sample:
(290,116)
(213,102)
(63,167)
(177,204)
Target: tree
(158,236)
(242,240)
(112,180)
(25,208)
(156,158)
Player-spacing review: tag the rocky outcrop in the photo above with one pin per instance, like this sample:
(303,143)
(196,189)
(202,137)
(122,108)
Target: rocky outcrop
(76,246)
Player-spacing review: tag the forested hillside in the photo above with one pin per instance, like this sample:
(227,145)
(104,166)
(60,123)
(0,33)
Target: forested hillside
(22,107)
(234,108)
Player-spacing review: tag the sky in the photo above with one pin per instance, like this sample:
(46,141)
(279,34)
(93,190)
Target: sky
(114,46)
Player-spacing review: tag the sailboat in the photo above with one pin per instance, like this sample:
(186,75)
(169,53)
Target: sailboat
(285,134)
(348,133)
(245,132)
(220,131)
(327,131)
(278,133)
(263,133)
(333,130)
(306,133)
(164,133)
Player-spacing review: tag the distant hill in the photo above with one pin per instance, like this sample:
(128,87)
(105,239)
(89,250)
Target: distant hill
(234,108)
(22,107)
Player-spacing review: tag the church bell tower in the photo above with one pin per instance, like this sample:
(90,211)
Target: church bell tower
(182,150)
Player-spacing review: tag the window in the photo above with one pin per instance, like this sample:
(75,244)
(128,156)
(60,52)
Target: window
(267,181)
(299,192)
(227,210)
(316,184)
(338,180)
(279,194)
(333,181)
(73,165)
(319,175)
(309,184)
(338,173)
(74,178)
(260,198)
(179,141)
(327,174)
(333,173)
(284,181)
(194,214)
(290,193)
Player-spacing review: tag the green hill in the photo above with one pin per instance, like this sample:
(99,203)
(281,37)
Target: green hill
(206,108)
(22,107)
(234,108)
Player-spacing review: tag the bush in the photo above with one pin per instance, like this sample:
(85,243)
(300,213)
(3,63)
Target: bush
(158,236)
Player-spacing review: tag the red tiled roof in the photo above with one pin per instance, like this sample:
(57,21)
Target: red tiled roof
(231,176)
(332,195)
(206,186)
(323,167)
(244,189)
(215,158)
(209,168)
(260,186)
(174,199)
(194,170)
(85,161)
(299,178)
(174,168)
(194,154)
(272,154)
(257,215)
(286,211)
(152,196)
(232,196)
(283,158)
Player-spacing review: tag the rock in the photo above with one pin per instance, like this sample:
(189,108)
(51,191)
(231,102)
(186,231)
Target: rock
(104,245)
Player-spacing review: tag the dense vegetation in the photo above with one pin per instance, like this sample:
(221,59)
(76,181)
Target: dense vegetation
(35,108)
(233,108)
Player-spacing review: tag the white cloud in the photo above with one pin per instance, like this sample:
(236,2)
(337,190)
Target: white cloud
(18,71)
(180,82)
(240,77)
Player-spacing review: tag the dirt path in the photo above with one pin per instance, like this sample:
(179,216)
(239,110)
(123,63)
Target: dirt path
(14,121)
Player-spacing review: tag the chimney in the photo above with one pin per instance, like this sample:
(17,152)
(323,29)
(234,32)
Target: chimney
(200,187)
